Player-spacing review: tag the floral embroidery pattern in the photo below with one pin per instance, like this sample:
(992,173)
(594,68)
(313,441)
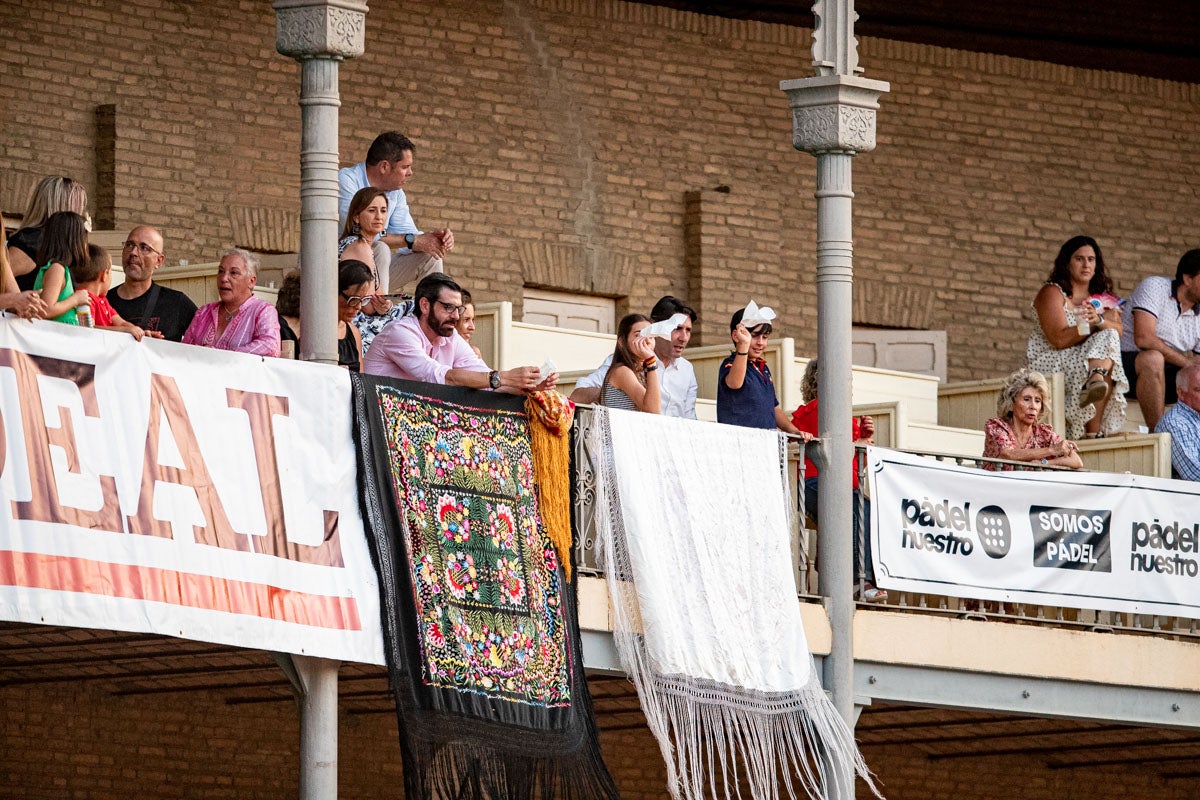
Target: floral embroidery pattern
(485,576)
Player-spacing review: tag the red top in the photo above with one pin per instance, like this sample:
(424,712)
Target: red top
(102,310)
(805,418)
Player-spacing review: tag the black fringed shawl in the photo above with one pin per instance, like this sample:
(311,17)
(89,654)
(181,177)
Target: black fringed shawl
(480,626)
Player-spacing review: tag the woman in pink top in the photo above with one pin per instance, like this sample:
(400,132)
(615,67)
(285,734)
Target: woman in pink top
(239,320)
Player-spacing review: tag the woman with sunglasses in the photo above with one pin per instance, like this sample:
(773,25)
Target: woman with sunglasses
(356,286)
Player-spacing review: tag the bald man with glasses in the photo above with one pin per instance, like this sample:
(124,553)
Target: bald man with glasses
(163,313)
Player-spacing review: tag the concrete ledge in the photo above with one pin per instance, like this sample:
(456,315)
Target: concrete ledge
(1000,648)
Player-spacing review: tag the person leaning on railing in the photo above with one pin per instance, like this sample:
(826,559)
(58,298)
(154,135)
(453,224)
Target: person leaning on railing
(862,431)
(632,382)
(1017,432)
(745,390)
(64,244)
(239,321)
(26,304)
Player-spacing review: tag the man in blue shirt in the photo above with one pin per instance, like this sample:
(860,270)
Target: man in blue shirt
(1182,421)
(745,391)
(388,166)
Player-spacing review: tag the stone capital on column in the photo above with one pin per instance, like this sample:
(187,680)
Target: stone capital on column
(834,113)
(316,28)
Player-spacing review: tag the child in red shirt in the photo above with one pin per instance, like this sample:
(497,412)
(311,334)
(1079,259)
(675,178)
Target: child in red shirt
(95,275)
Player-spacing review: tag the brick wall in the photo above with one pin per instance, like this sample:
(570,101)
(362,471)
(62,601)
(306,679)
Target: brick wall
(587,124)
(75,742)
(906,774)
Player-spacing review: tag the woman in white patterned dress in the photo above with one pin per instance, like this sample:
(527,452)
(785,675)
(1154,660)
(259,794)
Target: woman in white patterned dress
(1081,341)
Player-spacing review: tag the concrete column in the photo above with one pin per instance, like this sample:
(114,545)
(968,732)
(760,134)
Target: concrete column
(317,695)
(319,34)
(833,117)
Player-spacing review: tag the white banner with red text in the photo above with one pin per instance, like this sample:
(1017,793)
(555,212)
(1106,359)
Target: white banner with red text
(1092,540)
(163,488)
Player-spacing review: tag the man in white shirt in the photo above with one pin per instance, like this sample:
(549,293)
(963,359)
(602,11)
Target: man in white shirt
(1164,336)
(388,166)
(426,347)
(676,376)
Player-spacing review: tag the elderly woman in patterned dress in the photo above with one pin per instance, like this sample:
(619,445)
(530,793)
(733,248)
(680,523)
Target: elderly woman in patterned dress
(1075,337)
(239,320)
(1017,432)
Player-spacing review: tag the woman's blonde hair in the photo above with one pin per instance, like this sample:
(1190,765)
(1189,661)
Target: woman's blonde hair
(808,384)
(54,193)
(1018,382)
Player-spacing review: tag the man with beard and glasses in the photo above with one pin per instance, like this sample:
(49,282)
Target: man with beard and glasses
(427,347)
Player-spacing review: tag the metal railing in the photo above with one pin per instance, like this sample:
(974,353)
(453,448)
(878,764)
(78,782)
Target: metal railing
(586,467)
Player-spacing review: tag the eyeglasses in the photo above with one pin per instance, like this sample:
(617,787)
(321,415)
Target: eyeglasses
(142,246)
(452,309)
(355,300)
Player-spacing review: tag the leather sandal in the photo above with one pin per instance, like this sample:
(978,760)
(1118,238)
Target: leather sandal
(1096,389)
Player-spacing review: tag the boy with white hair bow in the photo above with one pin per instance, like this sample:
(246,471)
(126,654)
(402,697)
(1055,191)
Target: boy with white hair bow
(745,392)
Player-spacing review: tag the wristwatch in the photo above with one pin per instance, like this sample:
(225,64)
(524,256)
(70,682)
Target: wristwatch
(409,238)
(1045,461)
(494,379)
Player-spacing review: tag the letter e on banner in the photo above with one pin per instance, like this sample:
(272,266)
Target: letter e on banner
(260,408)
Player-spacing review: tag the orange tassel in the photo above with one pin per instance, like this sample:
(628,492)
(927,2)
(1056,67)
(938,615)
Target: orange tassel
(550,414)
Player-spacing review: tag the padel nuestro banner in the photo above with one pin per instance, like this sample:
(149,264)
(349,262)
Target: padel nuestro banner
(1083,540)
(162,488)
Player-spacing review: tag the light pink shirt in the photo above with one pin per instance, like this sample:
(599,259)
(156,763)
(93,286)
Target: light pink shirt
(402,350)
(254,329)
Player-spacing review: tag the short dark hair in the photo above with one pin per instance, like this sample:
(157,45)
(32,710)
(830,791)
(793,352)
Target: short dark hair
(668,306)
(761,328)
(430,288)
(97,261)
(389,146)
(287,302)
(352,272)
(64,240)
(1189,265)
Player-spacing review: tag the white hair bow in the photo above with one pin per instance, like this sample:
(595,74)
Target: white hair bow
(664,328)
(754,315)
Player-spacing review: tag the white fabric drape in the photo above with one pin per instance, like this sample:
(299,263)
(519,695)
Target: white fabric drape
(693,531)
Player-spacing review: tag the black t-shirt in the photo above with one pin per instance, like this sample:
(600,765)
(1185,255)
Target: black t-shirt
(27,240)
(172,312)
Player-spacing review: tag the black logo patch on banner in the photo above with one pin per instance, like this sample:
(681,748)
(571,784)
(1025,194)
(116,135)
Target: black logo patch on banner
(1071,538)
(995,532)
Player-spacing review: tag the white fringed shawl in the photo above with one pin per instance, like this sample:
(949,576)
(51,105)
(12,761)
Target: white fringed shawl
(693,530)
